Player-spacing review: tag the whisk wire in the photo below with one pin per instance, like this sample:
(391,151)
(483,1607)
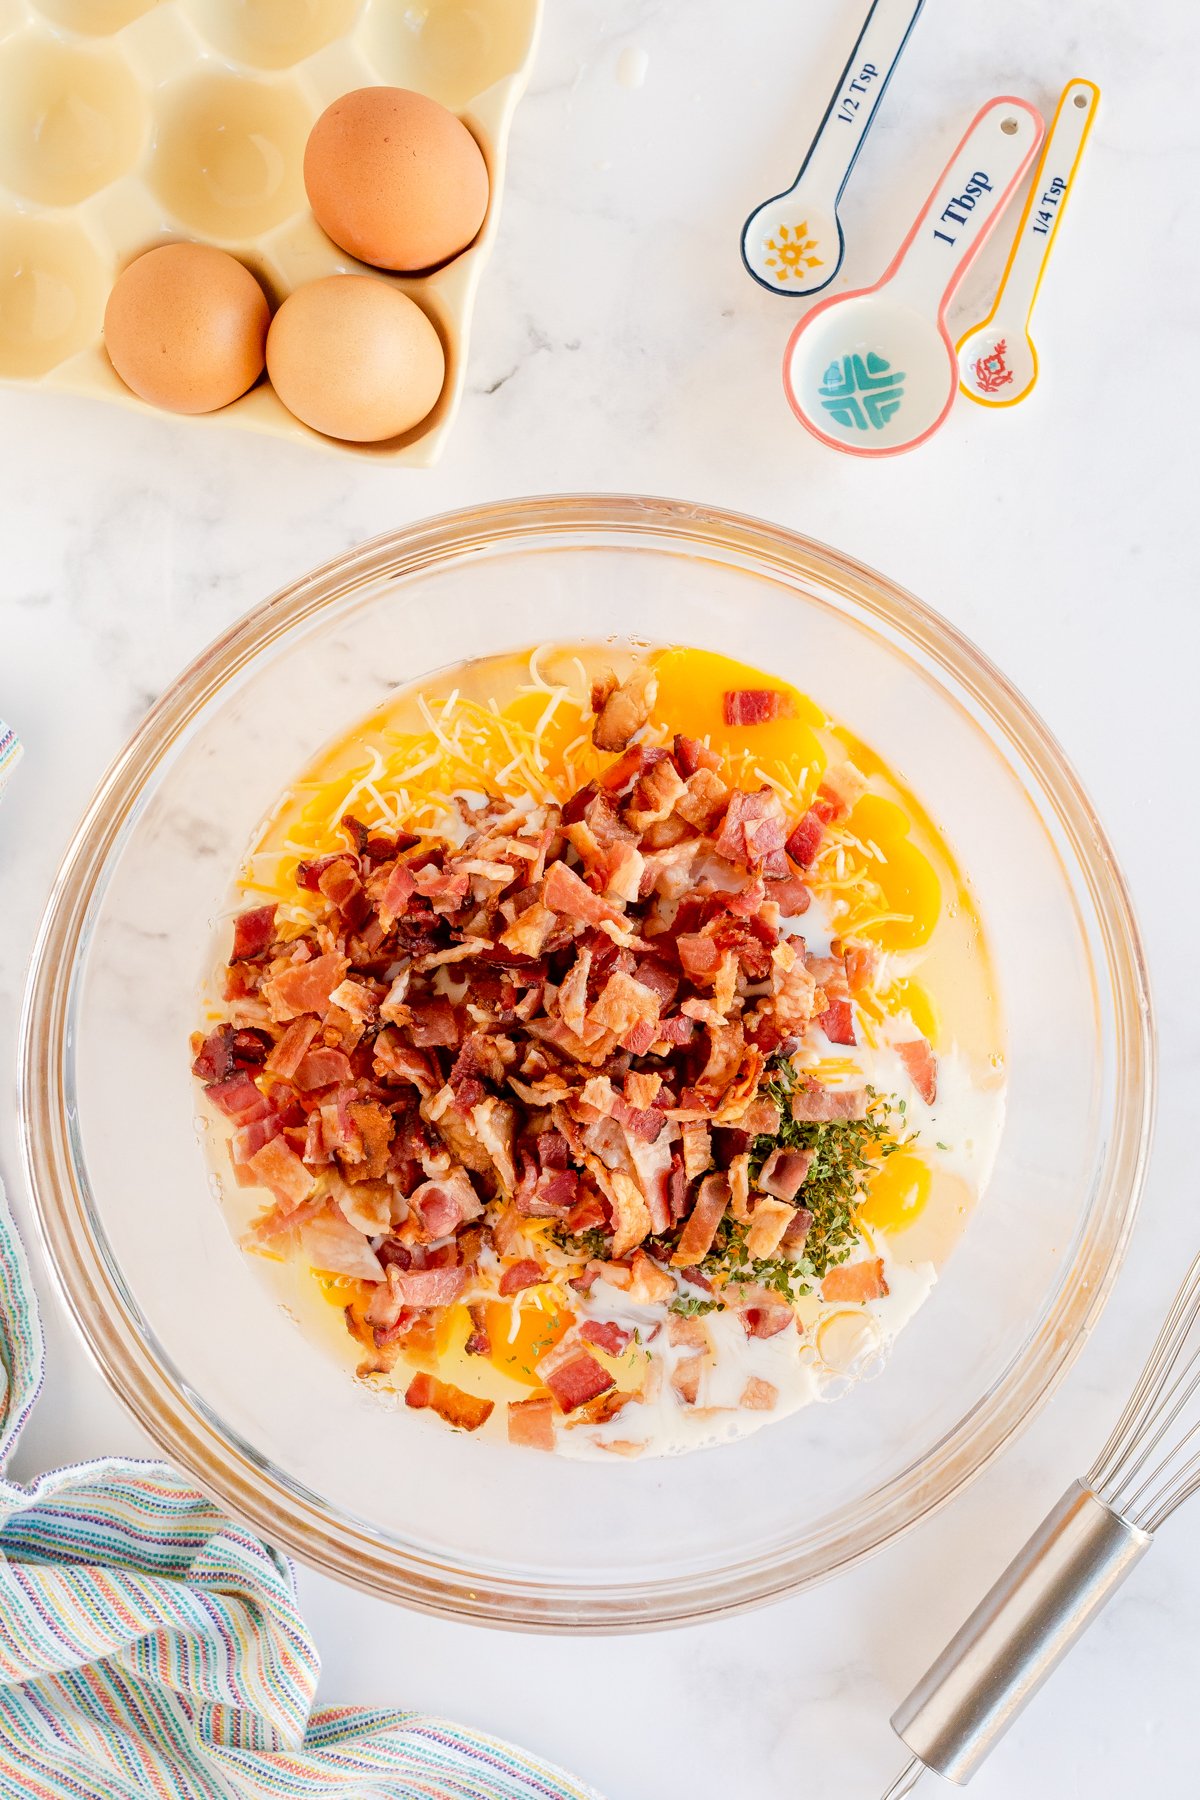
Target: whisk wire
(1143,1486)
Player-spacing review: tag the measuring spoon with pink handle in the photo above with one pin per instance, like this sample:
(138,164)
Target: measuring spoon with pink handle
(874,372)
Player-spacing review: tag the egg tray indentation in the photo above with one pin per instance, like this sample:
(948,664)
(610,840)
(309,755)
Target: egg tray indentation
(130,123)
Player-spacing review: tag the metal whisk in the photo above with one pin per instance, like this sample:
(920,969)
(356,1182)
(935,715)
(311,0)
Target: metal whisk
(1070,1567)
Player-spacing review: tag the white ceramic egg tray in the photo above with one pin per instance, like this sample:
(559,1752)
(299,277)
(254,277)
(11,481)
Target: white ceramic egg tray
(130,123)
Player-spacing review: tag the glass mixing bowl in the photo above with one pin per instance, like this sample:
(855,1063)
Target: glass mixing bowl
(262,1414)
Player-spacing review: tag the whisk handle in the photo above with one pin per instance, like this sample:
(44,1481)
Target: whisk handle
(1017,1635)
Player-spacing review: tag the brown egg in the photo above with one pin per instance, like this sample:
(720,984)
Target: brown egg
(355,358)
(395,179)
(186,327)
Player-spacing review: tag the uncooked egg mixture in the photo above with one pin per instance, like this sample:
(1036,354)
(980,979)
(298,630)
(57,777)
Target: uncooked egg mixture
(684,1355)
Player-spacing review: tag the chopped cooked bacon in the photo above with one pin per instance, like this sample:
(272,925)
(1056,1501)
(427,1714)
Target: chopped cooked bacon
(289,1052)
(465,1411)
(239,1099)
(563,892)
(279,1169)
(855,1282)
(805,841)
(685,1378)
(426,1287)
(625,709)
(766,1318)
(523,1274)
(531,1422)
(842,787)
(304,987)
(607,1335)
(623,1003)
(785,1172)
(445,1204)
(918,1058)
(577,1380)
(759,1395)
(815,1104)
(768,1225)
(690,754)
(752,832)
(322,1068)
(557,1012)
(696,1238)
(253,934)
(754,706)
(790,895)
(333,1244)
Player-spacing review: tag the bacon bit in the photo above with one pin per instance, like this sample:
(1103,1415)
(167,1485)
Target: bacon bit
(759,1395)
(393,1057)
(842,787)
(685,1378)
(331,1243)
(528,933)
(531,1422)
(563,892)
(587,1214)
(520,1275)
(625,709)
(304,987)
(426,1287)
(321,1069)
(697,1148)
(699,955)
(620,776)
(579,1379)
(805,841)
(679,1030)
(684,1331)
(696,1238)
(768,1224)
(815,1104)
(467,1412)
(655,797)
(785,1172)
(862,966)
(921,1063)
(691,755)
(790,895)
(253,934)
(607,1335)
(289,1052)
(247,1140)
(799,1228)
(754,706)
(752,833)
(213,1060)
(433,1024)
(479,1342)
(238,1098)
(766,1320)
(855,1282)
(837,1019)
(623,1003)
(278,1167)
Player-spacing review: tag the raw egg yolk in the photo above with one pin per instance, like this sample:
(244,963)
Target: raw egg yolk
(536,1332)
(915,1000)
(897,1193)
(692,685)
(908,879)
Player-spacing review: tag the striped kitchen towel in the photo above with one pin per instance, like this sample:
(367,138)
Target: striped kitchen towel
(149,1646)
(10,752)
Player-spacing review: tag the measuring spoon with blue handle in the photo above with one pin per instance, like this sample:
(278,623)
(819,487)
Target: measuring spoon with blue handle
(793,243)
(874,372)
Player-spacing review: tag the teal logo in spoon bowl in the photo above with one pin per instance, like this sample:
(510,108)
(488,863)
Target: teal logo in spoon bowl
(862,392)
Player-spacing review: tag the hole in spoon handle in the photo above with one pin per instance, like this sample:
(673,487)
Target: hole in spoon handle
(1047,200)
(971,193)
(856,99)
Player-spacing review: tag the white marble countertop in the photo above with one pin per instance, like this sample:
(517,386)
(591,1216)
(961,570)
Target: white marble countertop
(620,345)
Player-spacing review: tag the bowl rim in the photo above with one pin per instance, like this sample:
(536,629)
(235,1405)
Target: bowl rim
(244,1482)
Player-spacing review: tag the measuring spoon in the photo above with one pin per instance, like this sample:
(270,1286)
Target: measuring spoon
(997,359)
(874,371)
(793,243)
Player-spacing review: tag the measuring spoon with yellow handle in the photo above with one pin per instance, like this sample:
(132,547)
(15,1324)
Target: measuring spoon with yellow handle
(997,360)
